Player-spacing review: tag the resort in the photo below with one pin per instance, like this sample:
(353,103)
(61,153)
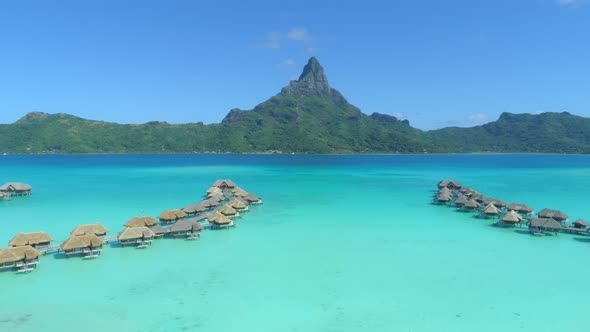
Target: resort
(545,222)
(222,202)
(16,189)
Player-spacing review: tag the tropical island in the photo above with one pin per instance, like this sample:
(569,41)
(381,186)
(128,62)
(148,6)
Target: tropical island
(307,116)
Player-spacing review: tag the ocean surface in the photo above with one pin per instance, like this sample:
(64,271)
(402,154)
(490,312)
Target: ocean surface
(342,243)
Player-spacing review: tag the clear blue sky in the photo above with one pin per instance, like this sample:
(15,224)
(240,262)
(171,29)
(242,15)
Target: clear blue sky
(436,63)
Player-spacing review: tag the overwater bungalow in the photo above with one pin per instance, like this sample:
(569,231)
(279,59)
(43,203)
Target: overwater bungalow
(137,236)
(491,210)
(190,229)
(16,189)
(480,198)
(37,240)
(471,205)
(141,221)
(581,224)
(228,211)
(214,191)
(512,218)
(253,199)
(224,184)
(444,198)
(218,197)
(238,205)
(451,184)
(160,231)
(23,259)
(196,208)
(213,202)
(460,201)
(554,214)
(495,201)
(237,191)
(538,226)
(218,220)
(97,229)
(172,215)
(86,245)
(520,208)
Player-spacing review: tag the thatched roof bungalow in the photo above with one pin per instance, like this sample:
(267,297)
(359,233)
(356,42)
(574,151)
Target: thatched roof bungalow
(16,188)
(237,204)
(218,220)
(212,202)
(495,201)
(196,208)
(37,240)
(237,191)
(491,210)
(545,224)
(172,215)
(214,191)
(460,201)
(512,218)
(160,231)
(141,221)
(480,198)
(142,236)
(444,198)
(228,211)
(89,245)
(554,214)
(520,208)
(471,205)
(97,229)
(451,184)
(224,184)
(252,199)
(23,258)
(581,224)
(186,228)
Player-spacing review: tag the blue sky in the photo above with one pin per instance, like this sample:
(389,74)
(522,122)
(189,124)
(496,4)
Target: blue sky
(436,63)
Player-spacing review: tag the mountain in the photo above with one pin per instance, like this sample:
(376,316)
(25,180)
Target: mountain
(541,133)
(307,116)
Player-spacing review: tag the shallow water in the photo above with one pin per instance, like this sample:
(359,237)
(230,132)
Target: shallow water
(342,243)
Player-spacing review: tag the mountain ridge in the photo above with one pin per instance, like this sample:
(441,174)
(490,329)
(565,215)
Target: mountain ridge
(306,116)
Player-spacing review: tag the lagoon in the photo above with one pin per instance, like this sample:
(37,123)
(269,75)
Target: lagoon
(342,243)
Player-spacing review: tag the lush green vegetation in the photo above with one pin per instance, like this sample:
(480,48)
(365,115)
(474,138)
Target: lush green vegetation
(308,116)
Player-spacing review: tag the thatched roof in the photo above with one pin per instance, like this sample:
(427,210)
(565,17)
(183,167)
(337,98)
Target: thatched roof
(159,230)
(478,197)
(581,223)
(252,198)
(23,239)
(82,241)
(213,202)
(213,189)
(227,210)
(512,217)
(545,223)
(141,221)
(449,184)
(237,204)
(15,186)
(214,192)
(218,197)
(521,208)
(96,229)
(172,215)
(218,219)
(133,233)
(444,198)
(196,208)
(186,226)
(555,214)
(491,209)
(16,254)
(237,191)
(460,201)
(471,204)
(497,202)
(224,183)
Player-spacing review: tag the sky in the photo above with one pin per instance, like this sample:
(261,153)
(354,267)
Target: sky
(434,63)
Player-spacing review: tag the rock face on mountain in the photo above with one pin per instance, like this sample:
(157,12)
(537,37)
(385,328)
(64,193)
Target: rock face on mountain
(307,116)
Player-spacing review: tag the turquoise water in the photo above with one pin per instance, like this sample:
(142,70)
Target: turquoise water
(342,243)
